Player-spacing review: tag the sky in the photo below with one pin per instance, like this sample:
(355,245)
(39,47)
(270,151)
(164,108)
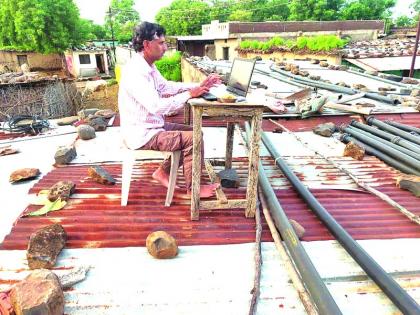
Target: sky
(95,9)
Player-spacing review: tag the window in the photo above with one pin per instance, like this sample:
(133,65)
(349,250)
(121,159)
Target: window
(84,59)
(22,59)
(226,53)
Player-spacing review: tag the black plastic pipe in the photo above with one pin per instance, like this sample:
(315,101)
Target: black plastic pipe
(399,156)
(380,155)
(388,285)
(403,126)
(336,88)
(313,282)
(377,78)
(380,124)
(388,136)
(386,142)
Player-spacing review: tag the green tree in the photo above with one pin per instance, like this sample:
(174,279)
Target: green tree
(404,21)
(367,9)
(43,26)
(416,6)
(221,10)
(318,10)
(121,19)
(184,17)
(241,15)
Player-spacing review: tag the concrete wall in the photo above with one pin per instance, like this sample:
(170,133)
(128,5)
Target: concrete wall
(36,61)
(231,43)
(190,73)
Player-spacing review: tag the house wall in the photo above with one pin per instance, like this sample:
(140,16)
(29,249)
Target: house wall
(284,56)
(36,61)
(84,70)
(230,43)
(190,73)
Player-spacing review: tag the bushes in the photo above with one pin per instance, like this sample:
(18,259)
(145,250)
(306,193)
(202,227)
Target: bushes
(316,43)
(170,66)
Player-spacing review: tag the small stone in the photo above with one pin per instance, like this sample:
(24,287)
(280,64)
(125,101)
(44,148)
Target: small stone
(287,67)
(359,86)
(23,174)
(323,64)
(67,120)
(65,155)
(84,113)
(161,245)
(86,132)
(105,113)
(295,71)
(386,88)
(372,72)
(314,61)
(342,68)
(39,293)
(299,229)
(410,183)
(409,104)
(304,73)
(100,175)
(315,77)
(98,123)
(415,93)
(325,130)
(62,190)
(354,151)
(409,81)
(45,245)
(228,178)
(341,83)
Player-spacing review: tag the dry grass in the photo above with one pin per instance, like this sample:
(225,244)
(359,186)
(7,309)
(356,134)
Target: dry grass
(99,100)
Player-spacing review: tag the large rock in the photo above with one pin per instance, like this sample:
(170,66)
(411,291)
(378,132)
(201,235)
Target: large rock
(67,120)
(410,183)
(354,151)
(161,245)
(23,174)
(62,190)
(45,245)
(84,113)
(39,293)
(64,155)
(86,132)
(100,175)
(325,130)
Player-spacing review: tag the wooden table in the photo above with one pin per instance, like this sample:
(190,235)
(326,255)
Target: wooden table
(231,112)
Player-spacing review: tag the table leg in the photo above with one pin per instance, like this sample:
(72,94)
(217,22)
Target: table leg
(254,153)
(229,144)
(196,162)
(187,114)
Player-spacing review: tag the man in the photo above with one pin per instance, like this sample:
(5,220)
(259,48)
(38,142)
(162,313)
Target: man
(143,102)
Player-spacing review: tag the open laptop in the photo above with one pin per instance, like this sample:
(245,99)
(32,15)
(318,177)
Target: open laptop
(239,78)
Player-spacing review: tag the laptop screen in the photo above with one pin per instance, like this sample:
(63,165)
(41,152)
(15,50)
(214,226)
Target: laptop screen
(240,76)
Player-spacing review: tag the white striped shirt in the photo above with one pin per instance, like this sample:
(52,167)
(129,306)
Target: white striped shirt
(141,103)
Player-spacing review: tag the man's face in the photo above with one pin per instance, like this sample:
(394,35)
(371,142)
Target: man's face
(156,48)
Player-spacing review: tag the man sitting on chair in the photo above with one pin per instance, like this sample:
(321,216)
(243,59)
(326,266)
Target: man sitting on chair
(143,102)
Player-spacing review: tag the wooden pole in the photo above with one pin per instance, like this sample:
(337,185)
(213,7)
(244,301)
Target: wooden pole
(416,45)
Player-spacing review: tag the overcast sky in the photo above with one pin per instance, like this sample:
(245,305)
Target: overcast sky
(95,9)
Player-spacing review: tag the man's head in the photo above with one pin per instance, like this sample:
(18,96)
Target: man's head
(149,38)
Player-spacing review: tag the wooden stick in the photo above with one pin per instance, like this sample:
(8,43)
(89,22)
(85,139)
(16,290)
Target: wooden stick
(290,269)
(221,197)
(349,108)
(258,261)
(384,197)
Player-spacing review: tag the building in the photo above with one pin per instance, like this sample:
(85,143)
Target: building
(88,62)
(12,60)
(219,40)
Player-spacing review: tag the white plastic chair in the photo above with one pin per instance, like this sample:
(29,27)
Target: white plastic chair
(127,169)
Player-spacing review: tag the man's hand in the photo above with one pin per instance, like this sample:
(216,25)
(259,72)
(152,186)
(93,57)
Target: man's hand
(277,107)
(198,91)
(211,80)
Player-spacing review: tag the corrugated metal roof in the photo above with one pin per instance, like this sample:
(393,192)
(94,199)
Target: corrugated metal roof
(94,218)
(385,63)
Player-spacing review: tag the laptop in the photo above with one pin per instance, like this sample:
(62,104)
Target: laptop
(239,78)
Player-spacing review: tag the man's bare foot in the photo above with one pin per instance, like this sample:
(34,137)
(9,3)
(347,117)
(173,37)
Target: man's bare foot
(206,191)
(162,177)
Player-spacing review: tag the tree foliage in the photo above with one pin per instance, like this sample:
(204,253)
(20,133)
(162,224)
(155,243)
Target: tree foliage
(404,21)
(121,19)
(43,26)
(185,17)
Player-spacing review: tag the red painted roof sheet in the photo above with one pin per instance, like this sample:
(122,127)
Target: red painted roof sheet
(94,217)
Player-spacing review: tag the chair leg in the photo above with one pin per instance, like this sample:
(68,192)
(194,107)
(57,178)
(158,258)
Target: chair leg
(127,169)
(175,156)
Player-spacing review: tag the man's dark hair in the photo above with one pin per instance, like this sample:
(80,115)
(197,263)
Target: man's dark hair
(146,31)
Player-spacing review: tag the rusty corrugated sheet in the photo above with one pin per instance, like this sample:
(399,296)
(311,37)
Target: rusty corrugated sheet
(94,218)
(11,136)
